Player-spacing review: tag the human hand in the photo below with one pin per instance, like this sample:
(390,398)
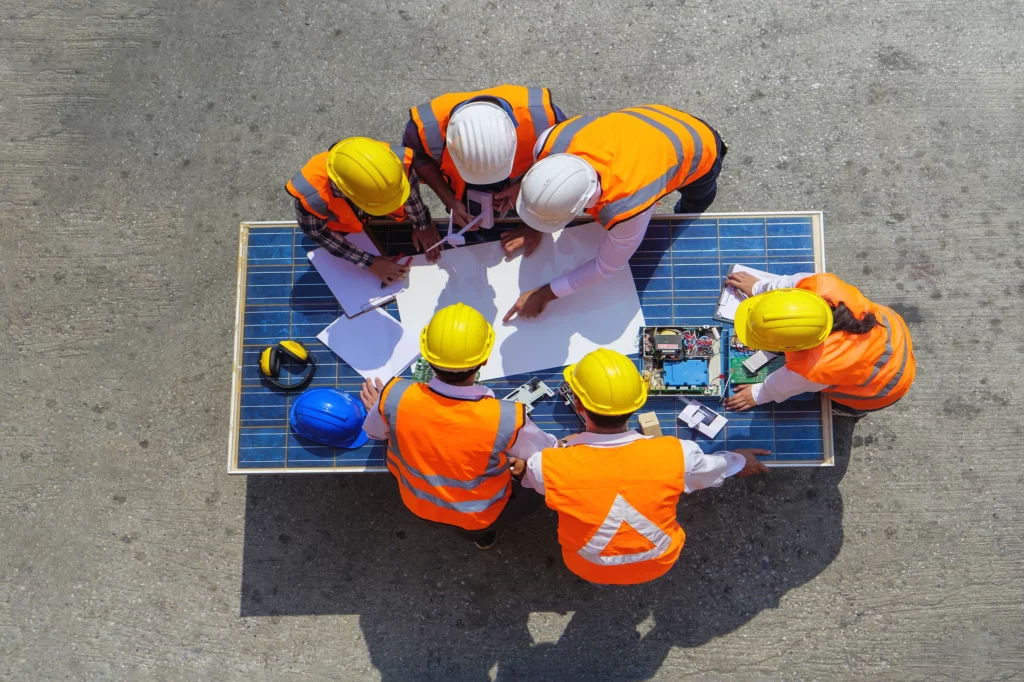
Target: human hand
(742,281)
(424,239)
(370,393)
(753,465)
(388,269)
(460,215)
(516,466)
(524,237)
(505,200)
(531,303)
(741,400)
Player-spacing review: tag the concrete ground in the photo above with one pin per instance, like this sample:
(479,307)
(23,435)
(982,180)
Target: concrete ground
(136,135)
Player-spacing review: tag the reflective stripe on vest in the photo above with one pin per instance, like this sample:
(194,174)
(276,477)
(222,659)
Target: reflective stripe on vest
(658,187)
(311,197)
(620,512)
(497,463)
(313,188)
(617,507)
(879,364)
(530,109)
(632,183)
(431,130)
(841,362)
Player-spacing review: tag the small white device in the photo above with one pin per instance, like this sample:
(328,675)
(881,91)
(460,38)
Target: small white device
(758,360)
(705,420)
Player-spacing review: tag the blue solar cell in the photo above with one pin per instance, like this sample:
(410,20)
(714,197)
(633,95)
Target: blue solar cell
(678,270)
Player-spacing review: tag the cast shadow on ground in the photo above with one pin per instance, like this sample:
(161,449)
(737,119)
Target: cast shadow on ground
(431,606)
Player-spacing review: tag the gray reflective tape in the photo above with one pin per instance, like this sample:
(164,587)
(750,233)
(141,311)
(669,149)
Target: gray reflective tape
(432,130)
(508,415)
(658,187)
(398,151)
(312,197)
(390,412)
(468,507)
(698,143)
(887,389)
(884,359)
(569,129)
(495,466)
(535,101)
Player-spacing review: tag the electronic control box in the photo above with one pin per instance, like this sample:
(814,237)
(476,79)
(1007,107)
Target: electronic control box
(682,360)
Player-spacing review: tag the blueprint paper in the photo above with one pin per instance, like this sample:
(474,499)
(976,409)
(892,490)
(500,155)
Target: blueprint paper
(374,344)
(605,315)
(353,286)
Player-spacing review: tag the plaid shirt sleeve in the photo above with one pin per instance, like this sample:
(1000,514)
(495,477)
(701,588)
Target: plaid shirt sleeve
(334,242)
(415,210)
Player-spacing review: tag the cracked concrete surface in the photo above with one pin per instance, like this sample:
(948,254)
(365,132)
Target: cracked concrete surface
(135,137)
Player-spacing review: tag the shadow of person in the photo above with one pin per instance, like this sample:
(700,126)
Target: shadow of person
(431,606)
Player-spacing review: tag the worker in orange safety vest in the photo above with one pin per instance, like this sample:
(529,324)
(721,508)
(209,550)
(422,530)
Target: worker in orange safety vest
(449,441)
(615,168)
(857,352)
(616,490)
(479,140)
(338,191)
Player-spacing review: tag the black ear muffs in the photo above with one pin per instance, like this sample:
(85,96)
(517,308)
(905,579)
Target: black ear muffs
(293,351)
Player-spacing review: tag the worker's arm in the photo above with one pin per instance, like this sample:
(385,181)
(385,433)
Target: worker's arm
(783,384)
(533,476)
(330,240)
(415,210)
(429,172)
(710,471)
(531,441)
(752,286)
(374,425)
(617,247)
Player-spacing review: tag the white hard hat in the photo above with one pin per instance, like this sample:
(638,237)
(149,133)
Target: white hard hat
(555,190)
(482,142)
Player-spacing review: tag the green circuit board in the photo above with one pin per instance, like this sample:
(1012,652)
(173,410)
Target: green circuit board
(740,375)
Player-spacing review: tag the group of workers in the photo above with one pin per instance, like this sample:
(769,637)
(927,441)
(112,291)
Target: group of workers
(468,460)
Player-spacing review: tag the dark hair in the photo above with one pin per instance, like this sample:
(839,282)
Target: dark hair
(452,376)
(606,422)
(843,320)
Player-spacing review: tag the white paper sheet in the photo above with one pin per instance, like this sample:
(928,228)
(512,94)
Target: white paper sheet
(357,289)
(374,344)
(606,315)
(730,299)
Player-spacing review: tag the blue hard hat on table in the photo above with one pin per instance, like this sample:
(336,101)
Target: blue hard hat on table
(329,417)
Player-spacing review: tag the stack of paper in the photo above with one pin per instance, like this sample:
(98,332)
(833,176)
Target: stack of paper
(730,299)
(357,289)
(374,344)
(604,315)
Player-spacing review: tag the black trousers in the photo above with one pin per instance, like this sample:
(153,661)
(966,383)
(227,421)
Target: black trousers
(521,503)
(698,196)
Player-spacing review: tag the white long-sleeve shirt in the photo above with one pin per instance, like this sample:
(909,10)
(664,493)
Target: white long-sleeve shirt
(783,383)
(617,247)
(702,471)
(531,439)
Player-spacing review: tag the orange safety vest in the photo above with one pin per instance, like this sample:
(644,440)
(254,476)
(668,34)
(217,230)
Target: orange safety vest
(641,154)
(312,186)
(597,492)
(532,114)
(864,371)
(449,455)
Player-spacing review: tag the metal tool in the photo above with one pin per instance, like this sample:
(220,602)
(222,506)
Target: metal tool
(529,393)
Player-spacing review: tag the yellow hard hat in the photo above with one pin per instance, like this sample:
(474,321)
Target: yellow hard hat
(457,337)
(369,174)
(607,383)
(783,320)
